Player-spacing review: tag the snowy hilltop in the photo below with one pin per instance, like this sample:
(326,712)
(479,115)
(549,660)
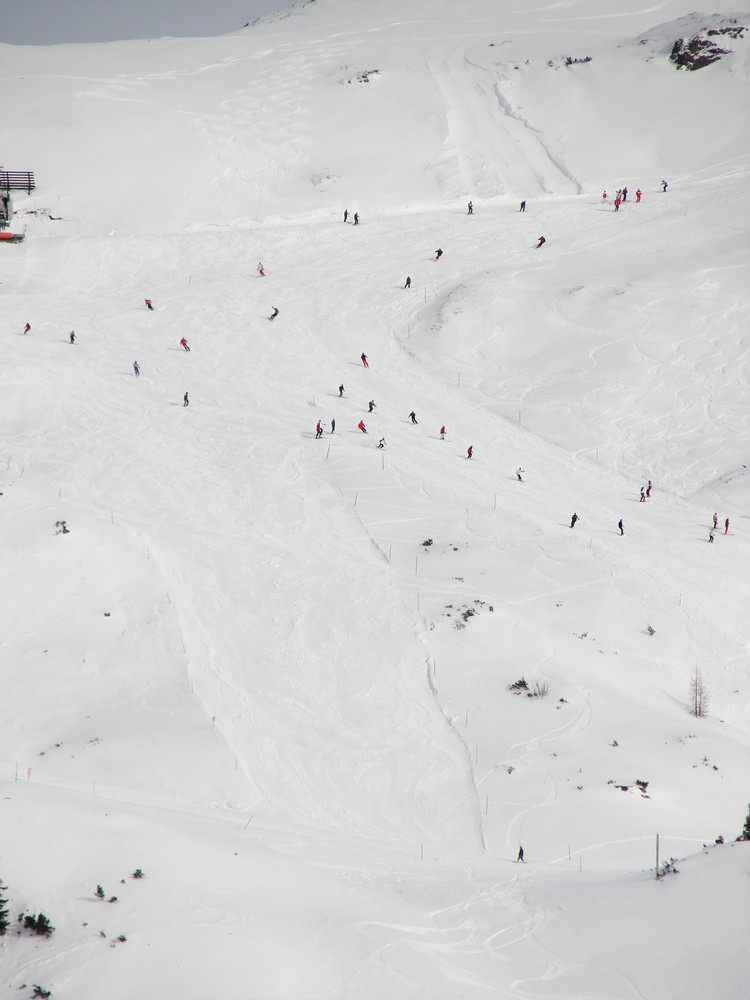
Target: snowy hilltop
(374,508)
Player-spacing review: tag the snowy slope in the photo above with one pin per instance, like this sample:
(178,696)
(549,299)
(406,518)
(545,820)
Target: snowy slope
(242,670)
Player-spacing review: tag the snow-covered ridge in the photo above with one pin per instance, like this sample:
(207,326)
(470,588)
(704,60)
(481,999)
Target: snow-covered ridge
(242,669)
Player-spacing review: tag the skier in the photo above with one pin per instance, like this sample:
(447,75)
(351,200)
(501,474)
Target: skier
(519,470)
(413,417)
(619,525)
(442,433)
(184,345)
(726,527)
(438,253)
(136,369)
(604,195)
(356,218)
(72,336)
(573,520)
(148,304)
(624,194)
(261,270)
(408,282)
(470,451)
(716,520)
(471,208)
(274,314)
(541,242)
(26,329)
(319,431)
(711,535)
(523,206)
(638,195)
(617,203)
(371,405)
(381,443)
(643,495)
(664,186)
(363,356)
(346,214)
(648,489)
(341,389)
(185,400)
(362,427)
(520,854)
(333,424)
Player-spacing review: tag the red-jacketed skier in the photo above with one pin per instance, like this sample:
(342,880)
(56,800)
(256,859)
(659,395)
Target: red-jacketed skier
(362,427)
(363,356)
(319,430)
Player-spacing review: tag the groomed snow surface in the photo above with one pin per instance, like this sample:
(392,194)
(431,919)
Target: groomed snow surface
(242,669)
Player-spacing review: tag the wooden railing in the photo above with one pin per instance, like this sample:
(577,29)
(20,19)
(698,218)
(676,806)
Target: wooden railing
(17,180)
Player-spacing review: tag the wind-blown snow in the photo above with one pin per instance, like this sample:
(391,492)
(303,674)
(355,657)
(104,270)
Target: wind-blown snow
(242,670)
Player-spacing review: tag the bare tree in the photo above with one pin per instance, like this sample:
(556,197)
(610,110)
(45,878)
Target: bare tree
(698,694)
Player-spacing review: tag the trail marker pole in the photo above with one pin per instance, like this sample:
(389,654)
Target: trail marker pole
(486,804)
(28,774)
(16,777)
(213,722)
(112,515)
(328,452)
(466,719)
(59,493)
(355,499)
(459,378)
(434,667)
(416,564)
(657,855)
(421,852)
(169,598)
(476,755)
(390,549)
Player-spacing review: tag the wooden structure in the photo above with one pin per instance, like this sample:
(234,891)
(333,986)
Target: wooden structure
(17,180)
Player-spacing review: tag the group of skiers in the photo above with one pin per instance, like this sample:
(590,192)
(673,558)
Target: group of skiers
(136,367)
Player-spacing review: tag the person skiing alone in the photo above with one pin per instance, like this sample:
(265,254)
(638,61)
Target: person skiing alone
(664,186)
(148,304)
(346,214)
(638,195)
(356,218)
(541,242)
(442,433)
(470,451)
(519,470)
(573,520)
(362,427)
(371,406)
(438,253)
(185,400)
(523,206)
(471,208)
(413,417)
(381,443)
(184,345)
(363,357)
(274,314)
(72,336)
(333,424)
(407,284)
(319,431)
(341,389)
(716,520)
(520,854)
(26,329)
(604,195)
(261,270)
(726,527)
(136,369)
(619,525)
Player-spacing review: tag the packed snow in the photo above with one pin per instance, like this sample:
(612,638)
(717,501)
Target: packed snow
(320,692)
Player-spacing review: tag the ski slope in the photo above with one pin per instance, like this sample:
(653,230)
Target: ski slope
(242,670)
